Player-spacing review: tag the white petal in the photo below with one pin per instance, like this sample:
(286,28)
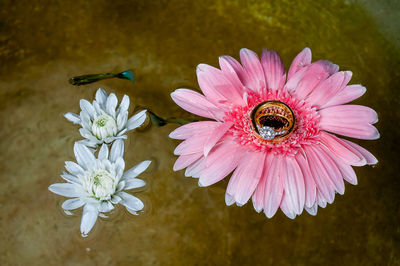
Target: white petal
(119,167)
(74,118)
(70,178)
(102,215)
(121,137)
(124,105)
(85,117)
(90,143)
(115,199)
(131,211)
(109,140)
(87,107)
(106,164)
(111,104)
(68,212)
(134,183)
(122,118)
(136,170)
(87,134)
(89,217)
(72,204)
(105,206)
(117,150)
(122,132)
(83,155)
(120,185)
(101,97)
(65,189)
(85,121)
(73,168)
(130,201)
(92,150)
(137,120)
(97,108)
(103,153)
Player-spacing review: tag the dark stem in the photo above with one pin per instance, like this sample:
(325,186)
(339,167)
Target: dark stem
(160,121)
(90,78)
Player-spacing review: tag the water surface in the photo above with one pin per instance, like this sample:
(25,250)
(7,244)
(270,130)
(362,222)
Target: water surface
(43,44)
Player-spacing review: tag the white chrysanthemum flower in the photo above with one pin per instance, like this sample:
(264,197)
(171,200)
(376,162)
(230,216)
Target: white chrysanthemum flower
(97,183)
(101,122)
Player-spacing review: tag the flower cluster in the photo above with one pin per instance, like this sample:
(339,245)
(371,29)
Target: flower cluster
(97,184)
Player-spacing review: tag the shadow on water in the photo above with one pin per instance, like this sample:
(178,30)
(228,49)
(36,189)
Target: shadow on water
(44,44)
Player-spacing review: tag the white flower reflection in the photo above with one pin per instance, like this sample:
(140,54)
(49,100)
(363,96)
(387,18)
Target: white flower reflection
(97,183)
(101,122)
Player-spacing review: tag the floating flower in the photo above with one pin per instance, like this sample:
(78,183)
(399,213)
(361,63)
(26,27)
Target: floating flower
(272,132)
(101,122)
(97,183)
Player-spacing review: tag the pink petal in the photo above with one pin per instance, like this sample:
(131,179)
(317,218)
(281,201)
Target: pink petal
(321,200)
(365,131)
(348,114)
(195,103)
(215,136)
(208,77)
(273,188)
(347,171)
(221,161)
(313,209)
(246,177)
(328,88)
(273,69)
(259,192)
(331,67)
(231,74)
(346,79)
(195,169)
(185,160)
(321,176)
(334,173)
(216,87)
(229,200)
(294,185)
(301,60)
(367,155)
(346,95)
(316,73)
(237,67)
(310,186)
(286,209)
(342,150)
(253,67)
(350,120)
(193,144)
(294,80)
(191,129)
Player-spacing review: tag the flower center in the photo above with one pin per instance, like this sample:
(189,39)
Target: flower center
(104,126)
(102,121)
(100,184)
(258,125)
(272,121)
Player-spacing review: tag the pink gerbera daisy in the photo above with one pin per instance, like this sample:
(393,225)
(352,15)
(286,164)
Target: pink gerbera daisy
(272,131)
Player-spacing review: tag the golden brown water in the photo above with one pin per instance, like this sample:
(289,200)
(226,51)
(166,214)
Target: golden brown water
(43,44)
